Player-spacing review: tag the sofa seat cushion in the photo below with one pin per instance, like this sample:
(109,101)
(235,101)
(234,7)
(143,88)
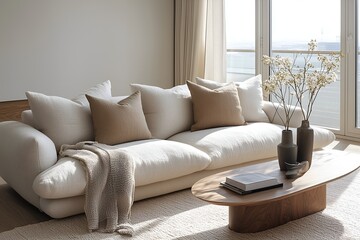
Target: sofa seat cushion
(228,146)
(322,137)
(156,160)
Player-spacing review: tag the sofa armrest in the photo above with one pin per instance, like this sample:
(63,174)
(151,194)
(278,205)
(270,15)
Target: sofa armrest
(27,117)
(271,108)
(24,153)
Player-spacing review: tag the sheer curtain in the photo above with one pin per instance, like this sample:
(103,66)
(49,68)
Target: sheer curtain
(200,49)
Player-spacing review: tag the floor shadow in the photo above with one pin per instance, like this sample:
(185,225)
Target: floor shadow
(342,146)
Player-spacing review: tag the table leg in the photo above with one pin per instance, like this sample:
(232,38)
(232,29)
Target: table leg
(259,217)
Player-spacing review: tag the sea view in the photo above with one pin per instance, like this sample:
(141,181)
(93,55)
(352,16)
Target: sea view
(241,66)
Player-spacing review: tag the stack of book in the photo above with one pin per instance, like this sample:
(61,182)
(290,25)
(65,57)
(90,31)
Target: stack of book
(250,182)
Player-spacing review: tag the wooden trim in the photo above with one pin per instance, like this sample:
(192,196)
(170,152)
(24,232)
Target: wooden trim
(12,110)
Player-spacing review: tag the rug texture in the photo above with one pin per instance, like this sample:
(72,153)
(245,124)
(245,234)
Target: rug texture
(181,216)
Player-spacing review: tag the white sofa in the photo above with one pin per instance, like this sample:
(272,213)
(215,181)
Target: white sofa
(29,162)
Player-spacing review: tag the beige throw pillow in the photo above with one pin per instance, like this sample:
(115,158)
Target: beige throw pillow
(250,95)
(120,122)
(215,108)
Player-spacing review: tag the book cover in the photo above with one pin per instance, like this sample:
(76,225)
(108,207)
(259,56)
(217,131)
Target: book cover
(242,192)
(251,181)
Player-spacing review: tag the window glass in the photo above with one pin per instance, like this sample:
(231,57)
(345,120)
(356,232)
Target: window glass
(240,39)
(294,24)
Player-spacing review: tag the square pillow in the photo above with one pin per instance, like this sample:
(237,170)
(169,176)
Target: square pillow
(120,122)
(101,90)
(65,121)
(250,94)
(215,108)
(167,111)
(62,120)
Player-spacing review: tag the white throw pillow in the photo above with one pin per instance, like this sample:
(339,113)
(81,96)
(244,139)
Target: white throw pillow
(62,120)
(250,94)
(167,111)
(65,121)
(101,90)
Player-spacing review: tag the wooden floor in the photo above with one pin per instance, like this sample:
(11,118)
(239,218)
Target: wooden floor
(16,212)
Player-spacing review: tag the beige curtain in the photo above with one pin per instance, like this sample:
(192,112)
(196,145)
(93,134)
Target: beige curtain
(200,49)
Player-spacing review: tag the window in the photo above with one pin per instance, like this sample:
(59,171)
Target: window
(291,31)
(282,27)
(240,39)
(358,71)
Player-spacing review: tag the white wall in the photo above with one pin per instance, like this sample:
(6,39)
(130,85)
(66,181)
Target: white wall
(62,47)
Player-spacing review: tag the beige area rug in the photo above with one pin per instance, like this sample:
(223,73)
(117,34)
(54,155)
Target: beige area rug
(182,216)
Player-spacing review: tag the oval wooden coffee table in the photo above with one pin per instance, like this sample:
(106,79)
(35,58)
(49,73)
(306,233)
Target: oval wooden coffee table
(267,209)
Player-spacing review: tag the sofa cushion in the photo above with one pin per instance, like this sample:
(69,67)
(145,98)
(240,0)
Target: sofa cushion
(156,160)
(250,94)
(101,90)
(214,108)
(322,137)
(120,122)
(28,118)
(62,120)
(228,146)
(167,111)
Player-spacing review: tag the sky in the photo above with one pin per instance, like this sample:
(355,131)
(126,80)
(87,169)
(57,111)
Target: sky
(292,20)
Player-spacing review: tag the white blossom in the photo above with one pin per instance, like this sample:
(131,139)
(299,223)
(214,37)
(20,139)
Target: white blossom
(288,80)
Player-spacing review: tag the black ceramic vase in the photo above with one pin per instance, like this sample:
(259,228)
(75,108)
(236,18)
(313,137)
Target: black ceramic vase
(287,150)
(305,142)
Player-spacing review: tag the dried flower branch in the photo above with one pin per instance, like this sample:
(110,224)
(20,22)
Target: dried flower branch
(290,83)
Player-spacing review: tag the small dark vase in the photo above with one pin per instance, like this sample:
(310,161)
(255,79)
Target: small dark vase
(287,150)
(305,142)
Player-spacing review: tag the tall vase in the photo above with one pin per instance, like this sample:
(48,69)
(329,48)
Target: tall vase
(305,142)
(287,150)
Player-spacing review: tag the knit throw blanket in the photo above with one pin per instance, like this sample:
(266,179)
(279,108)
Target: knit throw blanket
(109,192)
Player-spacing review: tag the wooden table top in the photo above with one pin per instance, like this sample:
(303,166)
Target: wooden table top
(327,166)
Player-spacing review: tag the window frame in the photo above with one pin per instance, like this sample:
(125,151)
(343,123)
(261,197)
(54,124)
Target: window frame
(350,38)
(348,67)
